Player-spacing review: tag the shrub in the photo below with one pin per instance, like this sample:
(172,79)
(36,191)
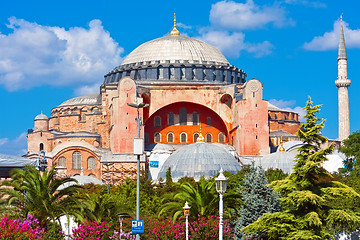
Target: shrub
(92,231)
(20,229)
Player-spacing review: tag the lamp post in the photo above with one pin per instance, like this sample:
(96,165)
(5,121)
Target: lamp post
(138,145)
(121,225)
(221,183)
(187,213)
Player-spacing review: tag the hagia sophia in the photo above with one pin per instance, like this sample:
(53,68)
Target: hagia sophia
(201,113)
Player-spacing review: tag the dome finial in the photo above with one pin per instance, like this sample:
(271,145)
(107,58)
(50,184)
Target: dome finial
(282,149)
(200,137)
(174,32)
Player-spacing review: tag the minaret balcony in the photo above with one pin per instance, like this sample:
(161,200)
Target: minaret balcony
(343,82)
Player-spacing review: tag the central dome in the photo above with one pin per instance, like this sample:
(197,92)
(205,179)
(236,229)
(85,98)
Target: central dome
(176,59)
(173,48)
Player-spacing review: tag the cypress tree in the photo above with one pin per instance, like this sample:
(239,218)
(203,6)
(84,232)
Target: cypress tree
(314,206)
(257,198)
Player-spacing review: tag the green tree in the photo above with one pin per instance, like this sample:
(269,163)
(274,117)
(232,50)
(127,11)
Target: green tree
(275,174)
(104,208)
(202,199)
(257,198)
(313,205)
(351,149)
(29,192)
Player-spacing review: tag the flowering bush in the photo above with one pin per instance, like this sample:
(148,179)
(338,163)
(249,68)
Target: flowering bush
(20,229)
(203,228)
(92,231)
(122,235)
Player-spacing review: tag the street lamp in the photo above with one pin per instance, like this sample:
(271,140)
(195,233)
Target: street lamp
(138,150)
(121,224)
(187,213)
(221,182)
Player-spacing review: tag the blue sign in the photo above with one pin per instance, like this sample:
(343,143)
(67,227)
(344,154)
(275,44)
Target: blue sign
(137,226)
(154,164)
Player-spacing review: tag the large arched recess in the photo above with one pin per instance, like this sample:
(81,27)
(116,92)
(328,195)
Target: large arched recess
(217,124)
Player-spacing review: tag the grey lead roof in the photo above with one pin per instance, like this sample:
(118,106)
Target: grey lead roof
(342,47)
(279,160)
(15,161)
(91,99)
(176,48)
(199,159)
(41,116)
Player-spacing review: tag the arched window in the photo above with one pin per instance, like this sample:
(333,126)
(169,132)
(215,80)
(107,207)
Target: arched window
(62,162)
(41,147)
(195,137)
(161,72)
(221,137)
(208,138)
(183,116)
(182,72)
(170,137)
(76,160)
(208,121)
(171,119)
(172,72)
(157,121)
(193,73)
(91,163)
(183,138)
(195,118)
(157,137)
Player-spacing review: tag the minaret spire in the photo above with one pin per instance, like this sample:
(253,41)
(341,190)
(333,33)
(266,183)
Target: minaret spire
(342,48)
(343,83)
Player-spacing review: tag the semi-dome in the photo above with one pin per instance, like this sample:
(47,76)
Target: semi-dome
(178,59)
(199,159)
(91,99)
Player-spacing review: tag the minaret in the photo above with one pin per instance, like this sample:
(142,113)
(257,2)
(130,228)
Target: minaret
(342,83)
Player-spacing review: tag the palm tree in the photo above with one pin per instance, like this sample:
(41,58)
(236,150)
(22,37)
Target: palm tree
(29,192)
(104,208)
(202,198)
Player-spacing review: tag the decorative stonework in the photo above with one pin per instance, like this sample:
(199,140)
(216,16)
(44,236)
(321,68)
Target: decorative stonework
(253,86)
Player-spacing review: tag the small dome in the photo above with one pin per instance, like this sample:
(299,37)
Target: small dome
(199,159)
(279,160)
(91,99)
(41,116)
(180,48)
(82,180)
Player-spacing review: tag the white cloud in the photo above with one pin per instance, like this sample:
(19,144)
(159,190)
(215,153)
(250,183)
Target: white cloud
(330,40)
(17,146)
(248,15)
(260,49)
(314,4)
(289,106)
(34,55)
(231,44)
(228,44)
(85,90)
(184,26)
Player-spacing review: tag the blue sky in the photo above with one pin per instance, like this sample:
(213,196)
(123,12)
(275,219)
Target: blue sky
(51,51)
